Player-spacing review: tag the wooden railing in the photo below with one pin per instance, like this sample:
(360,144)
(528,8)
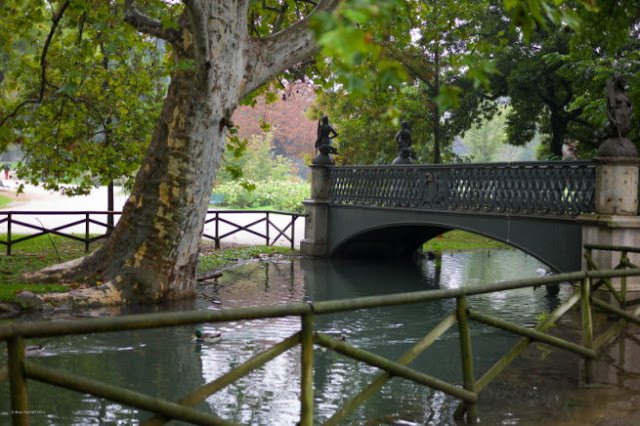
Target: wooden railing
(20,369)
(90,226)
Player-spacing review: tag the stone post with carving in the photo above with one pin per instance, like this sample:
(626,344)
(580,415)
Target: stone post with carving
(616,220)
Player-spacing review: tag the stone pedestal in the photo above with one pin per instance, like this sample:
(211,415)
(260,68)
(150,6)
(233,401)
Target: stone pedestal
(615,230)
(317,209)
(616,222)
(315,229)
(616,185)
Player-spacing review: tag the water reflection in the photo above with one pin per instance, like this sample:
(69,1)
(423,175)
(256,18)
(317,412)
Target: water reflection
(166,363)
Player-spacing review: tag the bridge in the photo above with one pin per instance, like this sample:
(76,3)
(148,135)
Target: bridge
(547,209)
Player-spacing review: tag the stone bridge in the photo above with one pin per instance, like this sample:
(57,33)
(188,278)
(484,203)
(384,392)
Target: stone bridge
(547,209)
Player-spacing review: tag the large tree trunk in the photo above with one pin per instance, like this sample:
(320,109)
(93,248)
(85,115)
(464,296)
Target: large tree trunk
(559,123)
(152,253)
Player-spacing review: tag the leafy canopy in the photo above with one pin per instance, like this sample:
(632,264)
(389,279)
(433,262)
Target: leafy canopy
(80,92)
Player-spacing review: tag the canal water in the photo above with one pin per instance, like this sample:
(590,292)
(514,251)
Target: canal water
(541,388)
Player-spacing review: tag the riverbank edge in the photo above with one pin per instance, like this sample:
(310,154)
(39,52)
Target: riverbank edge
(212,264)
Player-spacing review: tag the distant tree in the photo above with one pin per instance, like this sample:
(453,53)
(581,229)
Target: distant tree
(365,126)
(257,162)
(541,96)
(556,78)
(436,44)
(608,45)
(486,140)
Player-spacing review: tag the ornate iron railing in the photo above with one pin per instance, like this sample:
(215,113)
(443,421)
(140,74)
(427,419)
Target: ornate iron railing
(563,188)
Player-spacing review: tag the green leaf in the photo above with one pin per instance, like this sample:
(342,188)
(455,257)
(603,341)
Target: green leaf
(449,97)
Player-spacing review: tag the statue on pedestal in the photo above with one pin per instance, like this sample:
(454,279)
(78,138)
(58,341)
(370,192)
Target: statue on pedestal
(403,139)
(618,109)
(619,114)
(323,142)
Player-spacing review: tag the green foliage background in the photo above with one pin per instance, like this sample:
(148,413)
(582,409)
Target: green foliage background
(81,106)
(253,177)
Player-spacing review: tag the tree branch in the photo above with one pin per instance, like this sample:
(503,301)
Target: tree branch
(148,25)
(55,21)
(282,50)
(422,74)
(56,18)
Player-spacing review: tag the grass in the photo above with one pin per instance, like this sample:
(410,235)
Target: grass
(32,255)
(460,241)
(4,201)
(8,292)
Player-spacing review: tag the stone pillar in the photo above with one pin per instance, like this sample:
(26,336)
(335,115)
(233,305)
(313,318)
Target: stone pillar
(617,186)
(616,220)
(317,208)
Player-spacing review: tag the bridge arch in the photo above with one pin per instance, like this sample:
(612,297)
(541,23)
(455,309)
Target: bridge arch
(356,231)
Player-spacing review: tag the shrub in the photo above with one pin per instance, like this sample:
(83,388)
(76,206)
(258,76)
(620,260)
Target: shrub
(277,195)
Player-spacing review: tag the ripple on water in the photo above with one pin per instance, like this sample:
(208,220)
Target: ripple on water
(169,364)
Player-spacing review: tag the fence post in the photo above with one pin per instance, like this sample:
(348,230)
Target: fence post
(306,381)
(9,218)
(17,381)
(624,260)
(294,218)
(467,356)
(587,326)
(86,232)
(217,239)
(267,233)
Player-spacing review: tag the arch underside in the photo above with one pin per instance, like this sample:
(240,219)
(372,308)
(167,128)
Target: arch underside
(377,232)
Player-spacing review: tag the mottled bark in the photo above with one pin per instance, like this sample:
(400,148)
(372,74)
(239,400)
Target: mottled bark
(152,253)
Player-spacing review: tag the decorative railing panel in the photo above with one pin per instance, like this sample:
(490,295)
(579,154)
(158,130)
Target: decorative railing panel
(559,188)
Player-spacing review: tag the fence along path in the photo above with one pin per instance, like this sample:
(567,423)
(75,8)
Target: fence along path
(234,226)
(19,370)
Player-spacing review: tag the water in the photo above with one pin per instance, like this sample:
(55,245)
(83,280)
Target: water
(166,363)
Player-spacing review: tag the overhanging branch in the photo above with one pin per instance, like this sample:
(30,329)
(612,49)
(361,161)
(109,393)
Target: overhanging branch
(148,25)
(282,50)
(55,21)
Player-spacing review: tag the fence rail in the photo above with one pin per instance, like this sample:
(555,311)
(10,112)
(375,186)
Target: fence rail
(561,188)
(88,227)
(20,370)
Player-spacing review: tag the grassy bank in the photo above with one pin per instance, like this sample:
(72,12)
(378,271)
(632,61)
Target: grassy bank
(4,201)
(44,251)
(33,255)
(461,241)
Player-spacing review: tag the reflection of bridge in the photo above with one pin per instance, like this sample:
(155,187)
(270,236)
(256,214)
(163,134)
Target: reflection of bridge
(538,207)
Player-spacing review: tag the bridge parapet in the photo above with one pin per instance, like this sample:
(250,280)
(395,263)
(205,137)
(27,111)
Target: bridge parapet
(560,188)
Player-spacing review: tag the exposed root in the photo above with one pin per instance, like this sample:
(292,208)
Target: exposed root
(104,295)
(71,270)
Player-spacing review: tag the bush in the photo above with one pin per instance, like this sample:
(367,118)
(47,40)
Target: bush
(277,195)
